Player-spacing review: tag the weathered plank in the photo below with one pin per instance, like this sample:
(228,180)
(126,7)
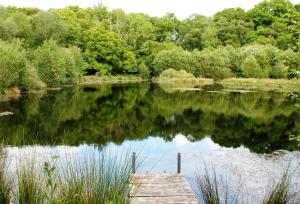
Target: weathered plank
(160,189)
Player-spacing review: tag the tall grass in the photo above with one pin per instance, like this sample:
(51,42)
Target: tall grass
(212,190)
(279,193)
(92,179)
(29,184)
(101,178)
(5,185)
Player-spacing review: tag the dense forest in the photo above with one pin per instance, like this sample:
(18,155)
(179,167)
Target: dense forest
(58,47)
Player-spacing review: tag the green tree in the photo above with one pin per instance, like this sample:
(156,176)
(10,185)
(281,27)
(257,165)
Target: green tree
(233,27)
(177,59)
(46,26)
(51,64)
(106,52)
(13,64)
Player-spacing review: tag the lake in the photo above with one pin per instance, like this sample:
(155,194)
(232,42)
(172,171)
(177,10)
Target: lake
(243,135)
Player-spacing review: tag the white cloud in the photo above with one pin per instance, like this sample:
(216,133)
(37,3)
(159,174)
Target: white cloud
(181,8)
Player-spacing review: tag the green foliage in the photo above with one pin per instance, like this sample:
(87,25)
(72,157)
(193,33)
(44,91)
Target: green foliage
(74,64)
(172,73)
(58,66)
(50,64)
(113,42)
(13,64)
(215,63)
(105,52)
(233,27)
(252,69)
(176,59)
(279,71)
(46,26)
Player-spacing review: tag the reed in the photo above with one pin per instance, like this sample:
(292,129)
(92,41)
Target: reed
(280,192)
(30,188)
(5,185)
(214,190)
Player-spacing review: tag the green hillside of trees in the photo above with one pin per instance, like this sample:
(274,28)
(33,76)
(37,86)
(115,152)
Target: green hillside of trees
(57,47)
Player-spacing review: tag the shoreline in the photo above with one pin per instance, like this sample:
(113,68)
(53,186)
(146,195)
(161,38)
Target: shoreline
(281,85)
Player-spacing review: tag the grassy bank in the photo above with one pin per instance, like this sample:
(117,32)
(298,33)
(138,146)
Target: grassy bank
(283,85)
(100,178)
(112,79)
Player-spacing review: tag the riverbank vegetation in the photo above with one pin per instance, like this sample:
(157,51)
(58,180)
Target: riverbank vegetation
(57,47)
(101,178)
(213,189)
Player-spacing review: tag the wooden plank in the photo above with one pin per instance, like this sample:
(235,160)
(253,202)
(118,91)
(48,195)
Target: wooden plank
(160,188)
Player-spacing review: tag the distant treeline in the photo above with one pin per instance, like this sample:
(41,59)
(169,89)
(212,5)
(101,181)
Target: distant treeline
(56,47)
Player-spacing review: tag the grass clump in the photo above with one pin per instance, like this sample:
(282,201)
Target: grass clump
(279,193)
(30,185)
(213,190)
(100,178)
(5,185)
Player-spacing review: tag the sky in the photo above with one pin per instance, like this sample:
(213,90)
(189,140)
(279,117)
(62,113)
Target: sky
(182,8)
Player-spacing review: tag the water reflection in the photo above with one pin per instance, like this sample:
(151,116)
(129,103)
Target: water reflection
(260,121)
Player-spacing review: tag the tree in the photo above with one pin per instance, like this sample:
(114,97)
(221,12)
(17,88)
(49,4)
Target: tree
(166,28)
(215,63)
(177,59)
(13,63)
(105,52)
(233,27)
(48,26)
(197,32)
(51,64)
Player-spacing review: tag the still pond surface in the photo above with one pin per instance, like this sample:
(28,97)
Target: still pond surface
(243,135)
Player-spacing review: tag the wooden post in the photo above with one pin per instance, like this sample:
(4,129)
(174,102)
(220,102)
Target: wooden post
(133,162)
(178,163)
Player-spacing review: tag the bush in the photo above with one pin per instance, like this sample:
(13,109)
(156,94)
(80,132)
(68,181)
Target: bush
(74,64)
(51,64)
(251,69)
(58,66)
(216,63)
(13,64)
(279,71)
(175,58)
(172,73)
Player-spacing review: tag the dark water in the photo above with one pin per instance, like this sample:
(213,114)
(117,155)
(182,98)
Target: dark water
(244,135)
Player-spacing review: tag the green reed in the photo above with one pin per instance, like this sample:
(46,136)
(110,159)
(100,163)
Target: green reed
(5,185)
(98,178)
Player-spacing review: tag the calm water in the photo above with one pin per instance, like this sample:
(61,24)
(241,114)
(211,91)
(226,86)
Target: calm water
(243,135)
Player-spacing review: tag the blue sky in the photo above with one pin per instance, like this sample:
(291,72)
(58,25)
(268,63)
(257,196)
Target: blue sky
(181,8)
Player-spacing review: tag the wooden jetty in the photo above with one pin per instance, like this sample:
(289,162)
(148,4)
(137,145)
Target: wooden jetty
(160,188)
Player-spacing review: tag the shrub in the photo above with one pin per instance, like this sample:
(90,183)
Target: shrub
(291,60)
(279,71)
(58,66)
(13,63)
(265,56)
(172,73)
(175,58)
(74,64)
(216,63)
(51,64)
(251,69)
